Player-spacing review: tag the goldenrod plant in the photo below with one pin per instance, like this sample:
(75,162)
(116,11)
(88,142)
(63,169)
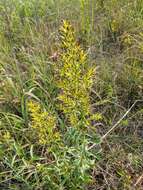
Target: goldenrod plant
(75,79)
(52,108)
(44,124)
(71,156)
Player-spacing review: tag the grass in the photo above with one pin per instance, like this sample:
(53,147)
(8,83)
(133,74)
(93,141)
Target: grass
(62,93)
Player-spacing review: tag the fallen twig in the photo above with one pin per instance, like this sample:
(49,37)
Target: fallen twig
(117,123)
(138,180)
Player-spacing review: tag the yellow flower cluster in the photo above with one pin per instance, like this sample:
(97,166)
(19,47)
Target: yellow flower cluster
(75,79)
(114,25)
(44,124)
(127,39)
(5,137)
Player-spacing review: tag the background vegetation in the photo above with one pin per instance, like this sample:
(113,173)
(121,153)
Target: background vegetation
(40,147)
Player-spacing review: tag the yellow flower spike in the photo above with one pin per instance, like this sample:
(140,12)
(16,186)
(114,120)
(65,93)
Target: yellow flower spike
(75,78)
(43,123)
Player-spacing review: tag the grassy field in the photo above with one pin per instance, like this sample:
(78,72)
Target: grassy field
(71,94)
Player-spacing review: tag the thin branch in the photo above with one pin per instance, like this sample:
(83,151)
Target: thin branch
(138,180)
(117,123)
